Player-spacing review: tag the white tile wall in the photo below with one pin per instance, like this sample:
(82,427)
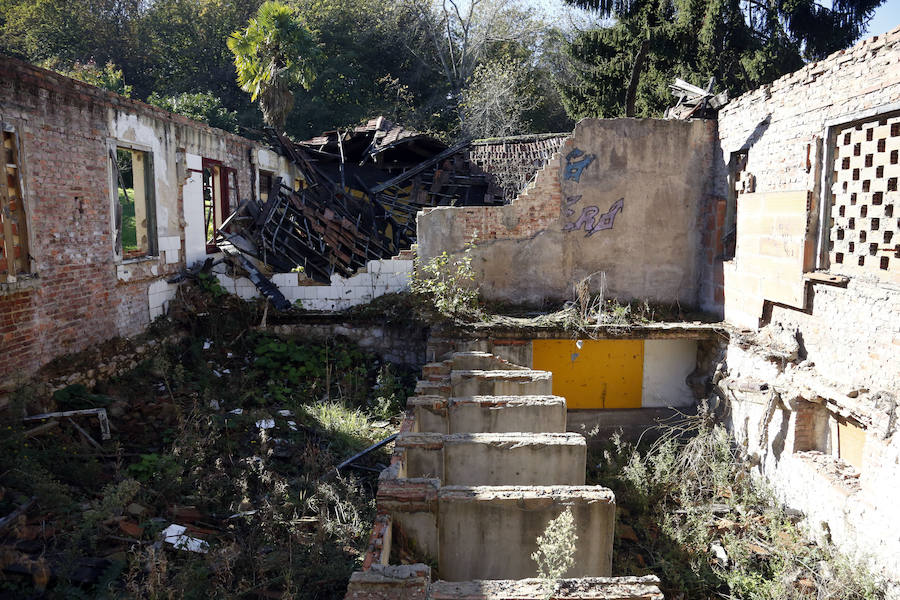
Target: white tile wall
(380,277)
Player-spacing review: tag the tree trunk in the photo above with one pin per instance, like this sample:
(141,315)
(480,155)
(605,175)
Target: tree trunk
(639,59)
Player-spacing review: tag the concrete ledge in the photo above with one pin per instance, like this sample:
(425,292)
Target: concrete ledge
(507,414)
(481,361)
(525,382)
(387,582)
(491,532)
(586,588)
(430,413)
(478,459)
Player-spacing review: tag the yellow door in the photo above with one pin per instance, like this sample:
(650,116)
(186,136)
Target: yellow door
(600,374)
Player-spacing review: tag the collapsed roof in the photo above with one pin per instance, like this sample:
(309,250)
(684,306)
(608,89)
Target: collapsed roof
(361,189)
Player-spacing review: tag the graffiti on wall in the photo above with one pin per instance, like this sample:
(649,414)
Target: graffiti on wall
(591,221)
(574,167)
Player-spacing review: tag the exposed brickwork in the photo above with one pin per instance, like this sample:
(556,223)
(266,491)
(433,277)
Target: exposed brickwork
(515,161)
(537,208)
(852,334)
(777,122)
(79,296)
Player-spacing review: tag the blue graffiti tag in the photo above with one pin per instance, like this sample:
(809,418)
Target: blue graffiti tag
(589,222)
(573,170)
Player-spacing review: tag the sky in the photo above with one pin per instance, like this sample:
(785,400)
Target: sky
(887,17)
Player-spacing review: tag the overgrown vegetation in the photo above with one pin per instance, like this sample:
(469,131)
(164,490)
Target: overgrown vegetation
(232,433)
(556,550)
(690,512)
(448,283)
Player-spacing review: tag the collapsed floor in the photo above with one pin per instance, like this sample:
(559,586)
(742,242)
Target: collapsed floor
(234,435)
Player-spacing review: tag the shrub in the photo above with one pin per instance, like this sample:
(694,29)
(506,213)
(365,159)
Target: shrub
(448,282)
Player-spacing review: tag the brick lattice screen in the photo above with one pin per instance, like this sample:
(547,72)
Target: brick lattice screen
(865,231)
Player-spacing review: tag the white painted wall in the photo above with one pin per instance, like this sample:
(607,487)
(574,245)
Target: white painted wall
(667,363)
(194,226)
(158,296)
(380,277)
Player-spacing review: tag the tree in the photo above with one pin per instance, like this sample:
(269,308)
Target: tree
(365,68)
(200,106)
(625,68)
(273,54)
(459,36)
(108,77)
(495,101)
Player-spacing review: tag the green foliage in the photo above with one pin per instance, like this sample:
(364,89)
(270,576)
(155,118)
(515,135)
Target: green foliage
(109,76)
(200,106)
(697,40)
(556,549)
(210,284)
(77,396)
(275,53)
(391,393)
(691,492)
(448,283)
(153,467)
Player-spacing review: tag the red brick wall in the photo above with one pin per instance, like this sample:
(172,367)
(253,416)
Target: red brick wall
(537,208)
(516,160)
(76,299)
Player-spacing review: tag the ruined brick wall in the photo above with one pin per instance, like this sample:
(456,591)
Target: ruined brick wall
(780,123)
(852,333)
(823,135)
(79,294)
(622,197)
(514,161)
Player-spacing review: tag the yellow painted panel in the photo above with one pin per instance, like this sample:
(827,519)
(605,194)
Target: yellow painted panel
(851,441)
(600,374)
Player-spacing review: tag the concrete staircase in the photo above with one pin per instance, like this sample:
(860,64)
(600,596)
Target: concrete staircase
(481,465)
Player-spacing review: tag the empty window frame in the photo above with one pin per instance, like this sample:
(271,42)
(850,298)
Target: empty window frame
(14,258)
(739,182)
(135,202)
(265,184)
(220,198)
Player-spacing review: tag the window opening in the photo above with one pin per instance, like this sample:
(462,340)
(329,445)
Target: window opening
(135,202)
(14,257)
(739,182)
(220,198)
(265,184)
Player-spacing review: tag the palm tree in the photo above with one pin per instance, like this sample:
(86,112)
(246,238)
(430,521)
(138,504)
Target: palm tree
(274,53)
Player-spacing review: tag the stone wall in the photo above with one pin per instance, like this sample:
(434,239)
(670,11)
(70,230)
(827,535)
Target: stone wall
(791,423)
(394,344)
(813,395)
(623,197)
(79,291)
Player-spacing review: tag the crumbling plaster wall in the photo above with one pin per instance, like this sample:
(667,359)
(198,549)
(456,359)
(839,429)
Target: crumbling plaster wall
(851,333)
(784,415)
(624,196)
(834,355)
(81,294)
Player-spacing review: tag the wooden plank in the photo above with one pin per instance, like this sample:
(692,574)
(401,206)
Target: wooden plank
(9,250)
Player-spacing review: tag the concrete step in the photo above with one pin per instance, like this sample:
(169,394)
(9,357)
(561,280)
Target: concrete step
(479,459)
(525,382)
(489,414)
(491,532)
(586,588)
(481,361)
